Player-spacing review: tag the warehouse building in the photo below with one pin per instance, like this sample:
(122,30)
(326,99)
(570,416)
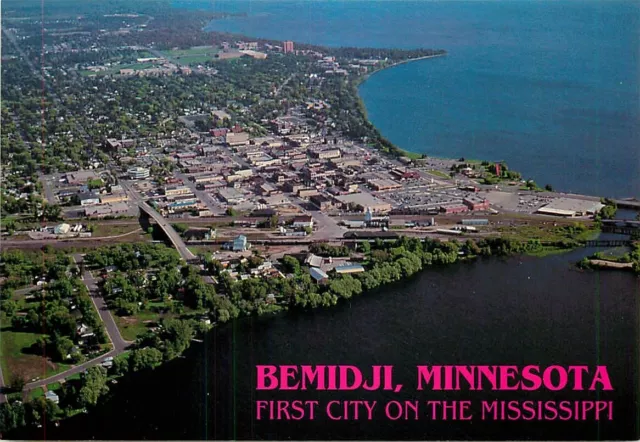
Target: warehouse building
(571,207)
(360,201)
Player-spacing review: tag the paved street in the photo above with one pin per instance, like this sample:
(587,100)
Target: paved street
(113,333)
(327,227)
(214,206)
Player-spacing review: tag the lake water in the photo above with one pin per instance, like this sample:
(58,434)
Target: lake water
(551,87)
(517,311)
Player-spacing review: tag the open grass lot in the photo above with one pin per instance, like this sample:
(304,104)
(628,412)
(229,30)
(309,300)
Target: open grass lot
(439,174)
(196,50)
(145,54)
(17,356)
(135,325)
(195,59)
(199,54)
(54,386)
(550,234)
(100,230)
(36,393)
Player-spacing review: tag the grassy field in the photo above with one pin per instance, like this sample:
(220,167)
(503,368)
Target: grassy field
(36,393)
(54,386)
(439,174)
(197,50)
(112,229)
(145,54)
(546,233)
(194,59)
(133,326)
(195,55)
(16,356)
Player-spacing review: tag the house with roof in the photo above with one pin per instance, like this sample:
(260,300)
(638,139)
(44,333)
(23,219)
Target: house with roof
(89,199)
(313,260)
(52,396)
(319,275)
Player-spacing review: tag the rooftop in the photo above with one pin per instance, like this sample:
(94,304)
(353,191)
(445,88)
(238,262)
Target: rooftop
(573,205)
(318,274)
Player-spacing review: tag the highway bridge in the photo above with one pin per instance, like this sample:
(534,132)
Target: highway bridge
(628,204)
(173,236)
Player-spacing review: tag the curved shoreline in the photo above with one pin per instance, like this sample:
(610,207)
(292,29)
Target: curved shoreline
(409,60)
(361,80)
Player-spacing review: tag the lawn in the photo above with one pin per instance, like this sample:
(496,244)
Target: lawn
(547,233)
(193,55)
(54,386)
(145,54)
(100,230)
(198,50)
(439,174)
(133,326)
(194,59)
(16,358)
(36,393)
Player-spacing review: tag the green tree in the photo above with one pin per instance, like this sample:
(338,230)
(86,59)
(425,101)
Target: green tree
(9,307)
(12,416)
(145,358)
(608,211)
(178,334)
(62,346)
(52,212)
(17,380)
(45,408)
(94,385)
(290,265)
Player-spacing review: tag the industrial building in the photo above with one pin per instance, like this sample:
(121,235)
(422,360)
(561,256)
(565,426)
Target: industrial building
(237,139)
(475,203)
(570,207)
(230,195)
(382,184)
(363,200)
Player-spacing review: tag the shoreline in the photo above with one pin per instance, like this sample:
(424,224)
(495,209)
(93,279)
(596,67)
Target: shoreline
(365,77)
